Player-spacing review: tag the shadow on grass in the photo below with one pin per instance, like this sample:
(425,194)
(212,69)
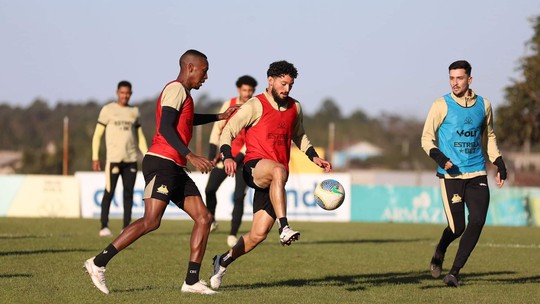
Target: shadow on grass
(134,289)
(42,251)
(365,281)
(15,275)
(374,241)
(13,237)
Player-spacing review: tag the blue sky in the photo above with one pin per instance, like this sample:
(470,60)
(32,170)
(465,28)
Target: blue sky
(376,56)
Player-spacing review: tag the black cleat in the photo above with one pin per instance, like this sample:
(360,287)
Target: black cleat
(451,280)
(436,266)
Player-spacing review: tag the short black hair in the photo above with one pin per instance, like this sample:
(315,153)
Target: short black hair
(191,52)
(247,80)
(280,68)
(124,83)
(461,64)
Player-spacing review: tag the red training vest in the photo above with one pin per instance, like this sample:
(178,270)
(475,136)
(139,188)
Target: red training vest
(184,128)
(271,137)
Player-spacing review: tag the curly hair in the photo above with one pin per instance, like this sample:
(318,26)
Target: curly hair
(247,80)
(281,68)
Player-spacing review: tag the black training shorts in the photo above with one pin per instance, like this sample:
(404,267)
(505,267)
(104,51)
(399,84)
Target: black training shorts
(261,198)
(167,181)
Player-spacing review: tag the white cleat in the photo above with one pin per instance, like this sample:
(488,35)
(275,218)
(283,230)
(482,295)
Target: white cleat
(214,226)
(199,287)
(288,236)
(231,240)
(217,275)
(105,232)
(97,274)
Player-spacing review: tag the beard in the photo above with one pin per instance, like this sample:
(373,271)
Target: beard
(277,98)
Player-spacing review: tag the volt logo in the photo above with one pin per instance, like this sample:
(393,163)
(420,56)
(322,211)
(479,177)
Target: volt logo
(472,133)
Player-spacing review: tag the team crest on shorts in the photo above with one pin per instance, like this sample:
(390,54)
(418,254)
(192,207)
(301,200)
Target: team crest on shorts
(163,190)
(456,199)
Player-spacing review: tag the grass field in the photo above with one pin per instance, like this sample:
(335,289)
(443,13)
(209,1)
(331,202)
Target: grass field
(41,262)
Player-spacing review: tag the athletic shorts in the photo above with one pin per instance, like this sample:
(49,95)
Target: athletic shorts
(261,198)
(167,181)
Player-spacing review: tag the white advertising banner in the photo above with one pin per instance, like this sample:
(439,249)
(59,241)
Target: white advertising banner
(300,201)
(39,196)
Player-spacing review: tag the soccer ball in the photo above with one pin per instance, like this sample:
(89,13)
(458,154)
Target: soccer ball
(329,194)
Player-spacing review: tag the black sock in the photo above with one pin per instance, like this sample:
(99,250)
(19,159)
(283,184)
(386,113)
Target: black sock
(192,276)
(282,222)
(455,270)
(439,254)
(105,256)
(226,259)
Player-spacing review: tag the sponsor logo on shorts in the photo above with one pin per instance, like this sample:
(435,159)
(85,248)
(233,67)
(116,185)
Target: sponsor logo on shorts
(163,190)
(456,199)
(483,184)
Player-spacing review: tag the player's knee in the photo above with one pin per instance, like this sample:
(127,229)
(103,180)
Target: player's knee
(151,224)
(458,230)
(279,173)
(477,222)
(257,238)
(205,219)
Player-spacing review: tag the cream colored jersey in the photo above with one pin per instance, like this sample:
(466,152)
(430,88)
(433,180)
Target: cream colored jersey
(220,124)
(121,134)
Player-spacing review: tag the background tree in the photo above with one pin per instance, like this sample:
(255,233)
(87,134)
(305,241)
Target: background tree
(518,120)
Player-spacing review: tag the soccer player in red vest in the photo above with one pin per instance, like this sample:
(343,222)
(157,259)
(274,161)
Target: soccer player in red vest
(271,120)
(246,87)
(164,169)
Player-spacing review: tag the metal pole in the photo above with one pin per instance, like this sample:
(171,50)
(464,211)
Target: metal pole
(66,141)
(331,140)
(198,135)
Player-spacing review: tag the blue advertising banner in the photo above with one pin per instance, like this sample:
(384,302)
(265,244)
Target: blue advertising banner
(508,207)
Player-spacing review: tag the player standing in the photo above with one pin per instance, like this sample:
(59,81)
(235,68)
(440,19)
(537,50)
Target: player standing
(456,128)
(246,87)
(120,123)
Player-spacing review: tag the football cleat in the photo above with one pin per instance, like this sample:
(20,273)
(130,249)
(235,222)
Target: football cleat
(97,274)
(214,226)
(199,287)
(217,275)
(288,236)
(105,232)
(231,240)
(451,280)
(435,266)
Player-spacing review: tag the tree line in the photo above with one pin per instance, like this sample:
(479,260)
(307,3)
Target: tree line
(37,131)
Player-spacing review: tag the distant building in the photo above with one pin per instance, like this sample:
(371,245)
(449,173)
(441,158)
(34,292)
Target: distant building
(361,150)
(10,161)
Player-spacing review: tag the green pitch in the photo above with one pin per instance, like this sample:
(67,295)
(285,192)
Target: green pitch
(41,262)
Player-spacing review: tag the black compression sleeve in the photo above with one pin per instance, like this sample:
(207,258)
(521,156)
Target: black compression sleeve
(311,153)
(167,129)
(226,152)
(501,167)
(201,119)
(438,157)
(239,158)
(212,151)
